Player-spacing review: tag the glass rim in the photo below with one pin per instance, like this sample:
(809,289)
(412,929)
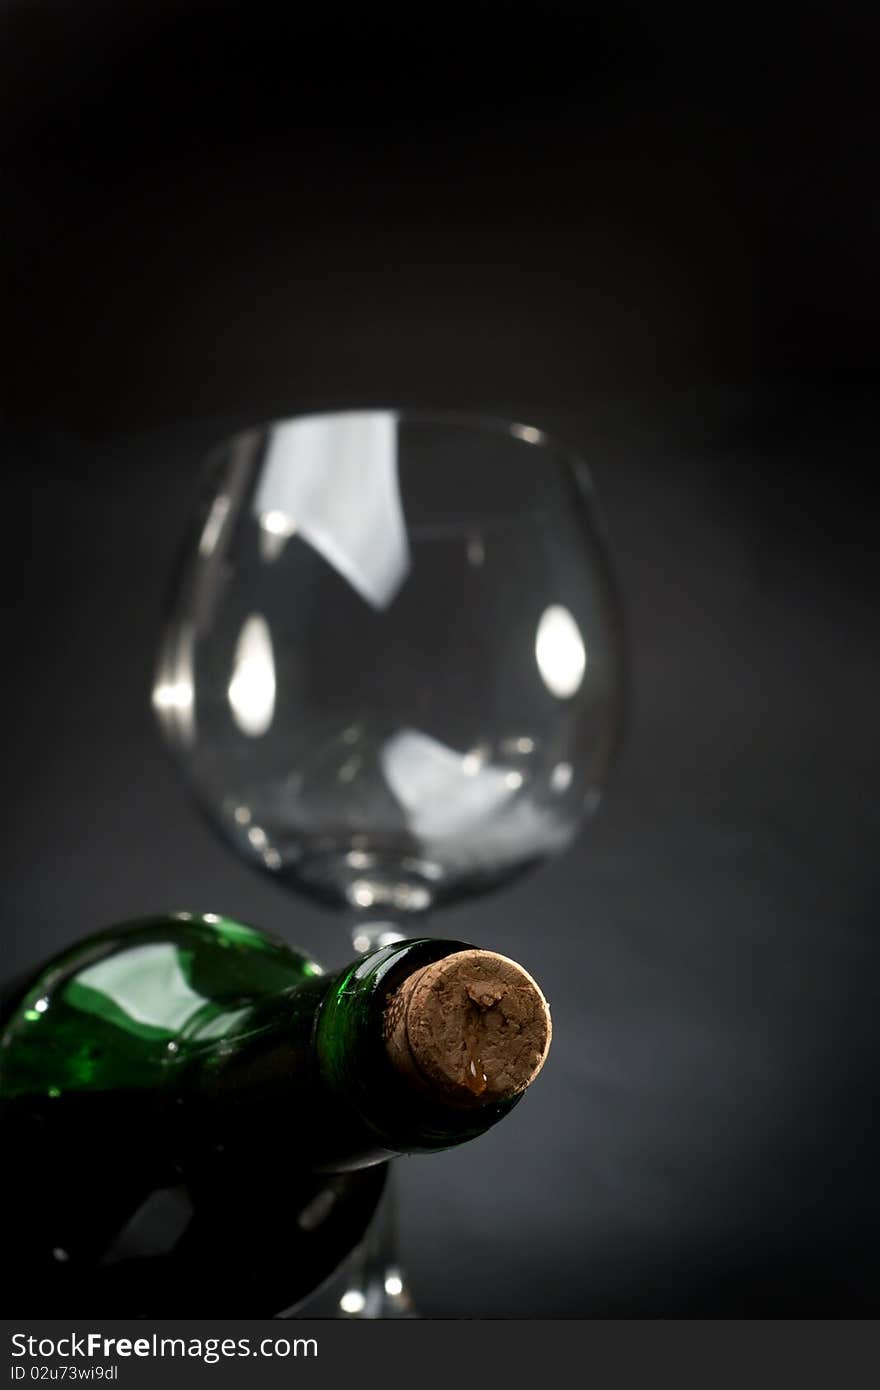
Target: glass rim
(479,421)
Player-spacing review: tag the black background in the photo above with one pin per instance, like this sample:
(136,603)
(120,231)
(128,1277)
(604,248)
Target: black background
(654,232)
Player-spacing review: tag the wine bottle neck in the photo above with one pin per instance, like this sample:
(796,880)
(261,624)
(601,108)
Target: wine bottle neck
(394,1029)
(418,1046)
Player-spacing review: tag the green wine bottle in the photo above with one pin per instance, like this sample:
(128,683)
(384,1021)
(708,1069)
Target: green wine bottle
(196,1118)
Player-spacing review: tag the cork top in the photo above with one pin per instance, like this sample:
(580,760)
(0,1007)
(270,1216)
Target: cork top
(472,1029)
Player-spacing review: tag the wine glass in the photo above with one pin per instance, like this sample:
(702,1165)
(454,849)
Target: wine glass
(392,665)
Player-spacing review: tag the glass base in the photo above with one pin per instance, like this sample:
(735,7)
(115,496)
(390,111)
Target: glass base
(369,1283)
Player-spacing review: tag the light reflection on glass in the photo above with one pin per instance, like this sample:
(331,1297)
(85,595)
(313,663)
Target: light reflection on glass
(442,791)
(361,894)
(560,777)
(276,528)
(407,897)
(176,695)
(520,745)
(278,524)
(214,524)
(317,1210)
(476,552)
(173,692)
(528,434)
(333,480)
(560,652)
(473,761)
(154,1228)
(131,984)
(352,1301)
(252,688)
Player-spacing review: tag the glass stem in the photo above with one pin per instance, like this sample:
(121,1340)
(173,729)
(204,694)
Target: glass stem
(376,1285)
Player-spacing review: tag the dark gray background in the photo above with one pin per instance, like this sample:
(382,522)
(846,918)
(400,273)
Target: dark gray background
(656,239)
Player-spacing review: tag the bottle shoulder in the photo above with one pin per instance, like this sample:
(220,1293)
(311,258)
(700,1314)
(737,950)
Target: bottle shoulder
(111,1010)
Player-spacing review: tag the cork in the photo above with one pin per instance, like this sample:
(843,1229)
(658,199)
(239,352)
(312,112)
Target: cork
(472,1029)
